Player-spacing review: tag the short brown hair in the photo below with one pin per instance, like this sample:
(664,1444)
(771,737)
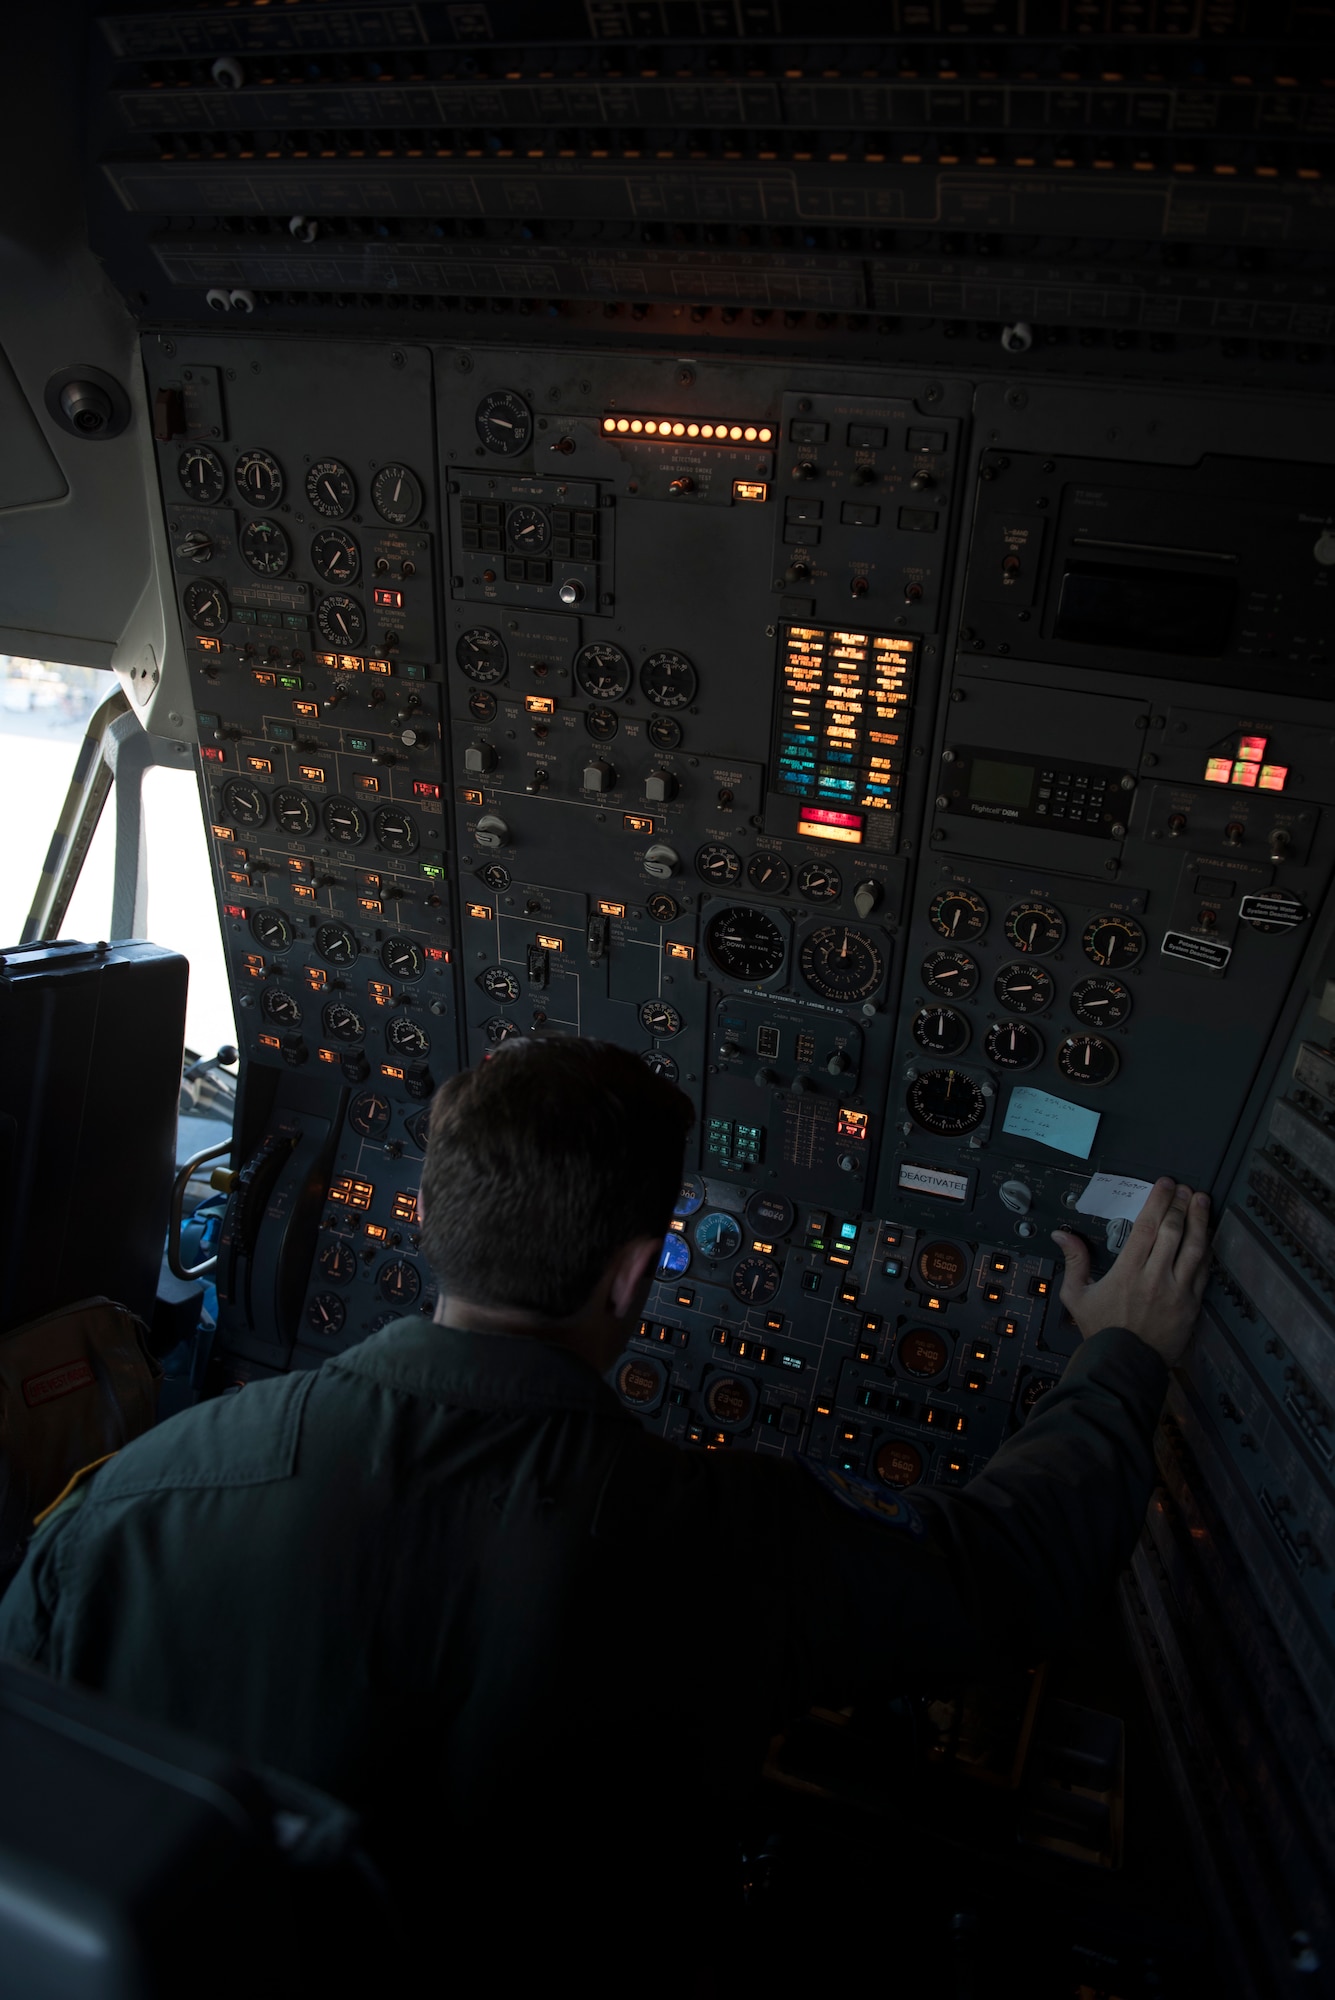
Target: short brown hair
(540,1163)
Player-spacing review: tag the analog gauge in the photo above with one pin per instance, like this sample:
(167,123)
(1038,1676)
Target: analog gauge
(841,964)
(499,1030)
(399,1281)
(602,723)
(674,1259)
(337,1263)
(396,495)
(820,883)
(528,529)
(294,812)
(898,1463)
(1087,1060)
(402,959)
(370,1114)
(344,822)
(494,876)
(770,874)
(343,1023)
(661,1064)
(275,1005)
(1037,928)
(1032,1393)
(770,1214)
(1113,942)
(958,913)
(245,802)
(331,490)
(265,547)
(602,671)
(1023,989)
(201,473)
(499,983)
(206,606)
(406,1038)
(418,1128)
(395,829)
(922,1352)
(717,863)
(657,1018)
(482,706)
(271,929)
(342,620)
(663,909)
(944,1101)
(482,655)
(745,944)
(718,1234)
(326,1313)
(663,731)
(950,972)
(755,1280)
(336,943)
(335,555)
(690,1196)
(1103,1003)
(1013,1045)
(668,680)
(940,1030)
(259,479)
(504,423)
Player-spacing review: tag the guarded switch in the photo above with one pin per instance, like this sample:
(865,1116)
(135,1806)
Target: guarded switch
(660,787)
(599,776)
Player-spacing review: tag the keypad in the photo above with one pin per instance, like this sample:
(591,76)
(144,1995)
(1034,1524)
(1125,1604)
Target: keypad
(1079,800)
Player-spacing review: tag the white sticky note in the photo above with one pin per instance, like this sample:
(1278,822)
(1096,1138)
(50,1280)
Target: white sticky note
(1052,1121)
(1116,1197)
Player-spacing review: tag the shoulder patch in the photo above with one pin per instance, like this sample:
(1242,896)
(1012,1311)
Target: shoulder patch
(860,1496)
(84,1473)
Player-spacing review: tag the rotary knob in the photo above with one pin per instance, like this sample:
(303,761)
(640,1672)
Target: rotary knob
(864,475)
(661,861)
(479,757)
(571,592)
(491,831)
(659,787)
(197,546)
(599,776)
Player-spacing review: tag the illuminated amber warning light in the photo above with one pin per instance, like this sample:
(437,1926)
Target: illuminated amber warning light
(819,824)
(636,823)
(750,489)
(348,1192)
(482,911)
(1247,767)
(405,1206)
(550,943)
(539,704)
(611,909)
(682,951)
(668,430)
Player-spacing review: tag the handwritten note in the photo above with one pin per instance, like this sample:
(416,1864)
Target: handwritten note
(1116,1197)
(1051,1121)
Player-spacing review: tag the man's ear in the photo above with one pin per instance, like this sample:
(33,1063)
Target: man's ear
(631,1268)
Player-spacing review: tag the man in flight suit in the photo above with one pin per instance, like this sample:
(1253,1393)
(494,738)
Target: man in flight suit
(448,1578)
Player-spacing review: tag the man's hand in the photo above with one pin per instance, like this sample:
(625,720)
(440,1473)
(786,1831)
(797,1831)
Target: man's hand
(1154,1288)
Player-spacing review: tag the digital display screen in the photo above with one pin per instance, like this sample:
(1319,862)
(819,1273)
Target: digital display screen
(1001,784)
(843,726)
(1146,610)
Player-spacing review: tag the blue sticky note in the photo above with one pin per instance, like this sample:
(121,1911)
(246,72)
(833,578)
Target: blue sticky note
(1037,1114)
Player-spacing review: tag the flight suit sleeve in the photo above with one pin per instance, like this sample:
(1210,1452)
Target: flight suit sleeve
(28,1608)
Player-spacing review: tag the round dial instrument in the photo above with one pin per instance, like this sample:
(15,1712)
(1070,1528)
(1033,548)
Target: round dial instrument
(675,1257)
(690,1196)
(1023,989)
(1113,942)
(331,489)
(395,829)
(819,882)
(770,874)
(946,1102)
(1102,1003)
(337,1263)
(663,909)
(418,1128)
(245,802)
(940,1030)
(668,680)
(661,1064)
(717,863)
(201,473)
(770,1214)
(402,959)
(958,913)
(400,1282)
(657,1018)
(1087,1060)
(336,943)
(841,964)
(271,929)
(326,1314)
(370,1114)
(1013,1045)
(342,1023)
(206,606)
(504,422)
(500,984)
(406,1037)
(528,529)
(745,944)
(481,653)
(259,479)
(718,1234)
(335,555)
(922,1352)
(1036,928)
(952,973)
(276,1005)
(396,495)
(602,723)
(341,620)
(756,1279)
(494,876)
(482,706)
(898,1463)
(663,731)
(294,812)
(265,547)
(603,671)
(344,822)
(499,1030)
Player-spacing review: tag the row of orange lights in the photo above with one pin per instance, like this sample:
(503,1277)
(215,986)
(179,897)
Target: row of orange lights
(676,427)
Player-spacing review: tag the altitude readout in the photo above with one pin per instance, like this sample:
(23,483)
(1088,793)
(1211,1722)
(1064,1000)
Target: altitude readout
(958,913)
(950,973)
(745,944)
(1023,989)
(946,1102)
(1088,1060)
(843,727)
(940,1030)
(1113,941)
(1013,1045)
(841,964)
(1035,927)
(1101,1003)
